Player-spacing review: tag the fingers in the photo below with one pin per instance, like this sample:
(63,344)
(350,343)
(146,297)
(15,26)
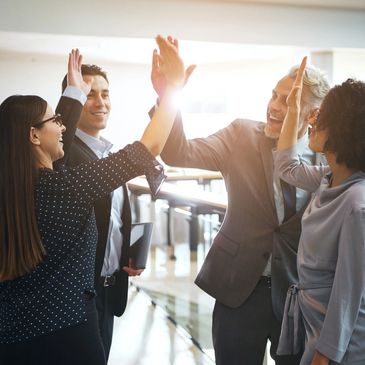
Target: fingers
(300,74)
(74,60)
(173,41)
(165,45)
(80,58)
(155,62)
(132,272)
(188,72)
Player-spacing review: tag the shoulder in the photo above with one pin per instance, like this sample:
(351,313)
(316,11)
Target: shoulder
(248,125)
(356,196)
(79,153)
(54,180)
(248,128)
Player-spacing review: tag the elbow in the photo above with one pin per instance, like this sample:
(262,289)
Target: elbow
(155,149)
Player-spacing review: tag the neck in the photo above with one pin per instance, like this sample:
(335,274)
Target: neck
(340,172)
(91,132)
(43,161)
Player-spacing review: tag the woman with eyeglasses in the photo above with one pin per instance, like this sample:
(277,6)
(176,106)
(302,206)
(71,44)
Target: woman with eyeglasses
(329,299)
(47,227)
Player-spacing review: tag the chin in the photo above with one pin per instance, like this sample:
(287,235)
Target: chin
(269,133)
(60,154)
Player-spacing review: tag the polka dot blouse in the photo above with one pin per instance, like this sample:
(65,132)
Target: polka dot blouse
(51,296)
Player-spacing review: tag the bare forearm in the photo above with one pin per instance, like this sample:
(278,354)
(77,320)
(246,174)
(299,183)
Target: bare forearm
(158,130)
(319,359)
(289,133)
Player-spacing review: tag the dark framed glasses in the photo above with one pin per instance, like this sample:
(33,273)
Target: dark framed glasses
(56,119)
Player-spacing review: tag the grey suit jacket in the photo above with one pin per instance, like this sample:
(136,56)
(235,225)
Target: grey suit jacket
(250,232)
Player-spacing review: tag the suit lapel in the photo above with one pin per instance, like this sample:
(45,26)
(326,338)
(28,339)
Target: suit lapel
(90,155)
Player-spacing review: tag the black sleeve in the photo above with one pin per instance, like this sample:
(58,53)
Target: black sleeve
(70,110)
(92,180)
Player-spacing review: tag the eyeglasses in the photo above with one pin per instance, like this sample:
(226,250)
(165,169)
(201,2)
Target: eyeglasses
(56,119)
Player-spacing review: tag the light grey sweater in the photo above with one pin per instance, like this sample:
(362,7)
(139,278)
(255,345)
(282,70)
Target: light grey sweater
(331,260)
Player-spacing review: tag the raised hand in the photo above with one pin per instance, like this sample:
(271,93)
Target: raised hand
(289,131)
(158,78)
(295,95)
(74,76)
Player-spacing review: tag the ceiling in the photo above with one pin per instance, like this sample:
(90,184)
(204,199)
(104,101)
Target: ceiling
(341,4)
(213,30)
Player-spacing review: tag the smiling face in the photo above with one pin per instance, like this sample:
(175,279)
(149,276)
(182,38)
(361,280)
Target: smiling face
(47,140)
(95,113)
(277,108)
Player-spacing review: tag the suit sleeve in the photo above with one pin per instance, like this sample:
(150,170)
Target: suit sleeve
(209,153)
(347,293)
(70,110)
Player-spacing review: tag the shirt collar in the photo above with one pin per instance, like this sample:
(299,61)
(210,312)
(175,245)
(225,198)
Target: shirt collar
(302,143)
(99,145)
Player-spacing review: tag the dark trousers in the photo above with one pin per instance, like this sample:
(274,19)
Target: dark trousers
(76,345)
(105,316)
(240,334)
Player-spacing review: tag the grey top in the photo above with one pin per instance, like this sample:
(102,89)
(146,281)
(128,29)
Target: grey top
(331,260)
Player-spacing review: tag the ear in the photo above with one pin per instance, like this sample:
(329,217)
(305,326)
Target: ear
(311,117)
(34,136)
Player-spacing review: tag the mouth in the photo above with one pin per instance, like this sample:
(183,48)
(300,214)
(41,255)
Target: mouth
(99,114)
(272,119)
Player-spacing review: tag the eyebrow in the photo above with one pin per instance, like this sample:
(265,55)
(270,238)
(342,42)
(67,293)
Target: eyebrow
(103,91)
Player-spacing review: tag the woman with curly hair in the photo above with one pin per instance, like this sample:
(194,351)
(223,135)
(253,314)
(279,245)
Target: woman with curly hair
(329,299)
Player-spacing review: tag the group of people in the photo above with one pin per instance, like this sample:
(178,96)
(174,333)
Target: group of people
(287,265)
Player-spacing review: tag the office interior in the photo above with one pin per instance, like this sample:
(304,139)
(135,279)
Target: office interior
(241,48)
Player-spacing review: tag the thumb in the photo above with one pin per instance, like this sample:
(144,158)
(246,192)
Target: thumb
(188,72)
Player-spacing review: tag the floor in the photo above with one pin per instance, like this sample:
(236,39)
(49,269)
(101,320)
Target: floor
(168,318)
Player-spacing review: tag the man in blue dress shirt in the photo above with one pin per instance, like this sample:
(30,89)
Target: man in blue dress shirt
(112,213)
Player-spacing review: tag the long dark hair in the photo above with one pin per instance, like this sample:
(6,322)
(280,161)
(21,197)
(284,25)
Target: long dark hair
(21,248)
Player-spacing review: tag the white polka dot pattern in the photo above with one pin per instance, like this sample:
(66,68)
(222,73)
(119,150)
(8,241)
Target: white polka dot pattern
(50,297)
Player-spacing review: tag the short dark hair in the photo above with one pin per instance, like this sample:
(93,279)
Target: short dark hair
(87,70)
(342,113)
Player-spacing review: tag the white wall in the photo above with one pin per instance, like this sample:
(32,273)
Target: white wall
(215,95)
(131,91)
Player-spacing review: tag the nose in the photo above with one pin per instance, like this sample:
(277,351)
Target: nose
(99,100)
(63,128)
(275,105)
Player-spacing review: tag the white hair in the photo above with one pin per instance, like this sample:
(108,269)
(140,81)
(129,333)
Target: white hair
(316,85)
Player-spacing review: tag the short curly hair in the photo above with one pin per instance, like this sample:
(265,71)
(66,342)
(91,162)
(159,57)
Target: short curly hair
(342,113)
